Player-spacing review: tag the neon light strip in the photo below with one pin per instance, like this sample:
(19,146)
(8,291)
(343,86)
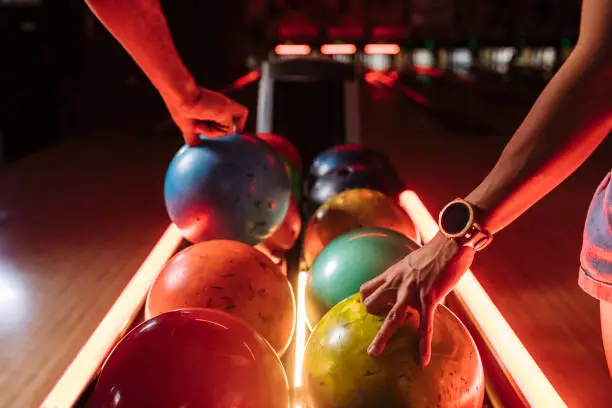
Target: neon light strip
(242,81)
(338,49)
(84,366)
(512,354)
(381,49)
(292,49)
(300,339)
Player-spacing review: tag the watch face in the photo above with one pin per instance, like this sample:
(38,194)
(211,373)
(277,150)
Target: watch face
(455,218)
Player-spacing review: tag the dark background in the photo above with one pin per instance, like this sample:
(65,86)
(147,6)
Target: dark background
(62,74)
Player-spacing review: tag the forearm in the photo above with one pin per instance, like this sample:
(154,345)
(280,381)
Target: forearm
(572,116)
(141,28)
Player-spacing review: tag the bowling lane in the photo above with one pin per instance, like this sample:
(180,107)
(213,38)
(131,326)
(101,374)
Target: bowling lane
(531,270)
(80,219)
(494,111)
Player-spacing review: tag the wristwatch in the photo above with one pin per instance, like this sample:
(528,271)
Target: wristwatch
(458,221)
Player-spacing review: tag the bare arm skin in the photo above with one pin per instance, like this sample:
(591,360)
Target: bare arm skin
(571,117)
(141,28)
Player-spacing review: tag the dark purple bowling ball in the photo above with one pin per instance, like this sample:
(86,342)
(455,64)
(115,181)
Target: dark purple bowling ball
(347,178)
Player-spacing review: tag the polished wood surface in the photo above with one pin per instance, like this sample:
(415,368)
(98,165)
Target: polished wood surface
(531,269)
(79,221)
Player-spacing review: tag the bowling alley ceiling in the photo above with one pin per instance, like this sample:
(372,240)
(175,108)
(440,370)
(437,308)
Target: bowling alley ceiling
(493,19)
(496,20)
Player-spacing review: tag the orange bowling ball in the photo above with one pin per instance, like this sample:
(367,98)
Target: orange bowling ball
(230,276)
(350,210)
(285,236)
(192,358)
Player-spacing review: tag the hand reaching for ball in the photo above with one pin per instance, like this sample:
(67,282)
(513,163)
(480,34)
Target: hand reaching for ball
(421,280)
(208,113)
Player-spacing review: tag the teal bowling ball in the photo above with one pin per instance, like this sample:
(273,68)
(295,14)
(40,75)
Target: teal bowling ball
(352,259)
(234,188)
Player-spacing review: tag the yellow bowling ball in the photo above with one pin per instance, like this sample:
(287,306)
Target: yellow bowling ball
(338,372)
(350,210)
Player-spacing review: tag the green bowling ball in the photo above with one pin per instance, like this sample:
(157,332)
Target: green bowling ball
(294,180)
(338,372)
(352,259)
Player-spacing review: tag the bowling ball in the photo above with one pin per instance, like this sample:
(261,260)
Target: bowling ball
(192,357)
(342,155)
(229,276)
(352,259)
(347,178)
(294,180)
(350,210)
(284,148)
(285,236)
(338,372)
(233,187)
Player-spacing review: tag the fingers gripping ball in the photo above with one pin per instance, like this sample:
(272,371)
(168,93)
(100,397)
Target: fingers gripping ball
(233,187)
(339,373)
(352,259)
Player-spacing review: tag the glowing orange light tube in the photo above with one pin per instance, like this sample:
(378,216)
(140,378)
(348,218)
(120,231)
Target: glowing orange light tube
(300,339)
(382,49)
(338,49)
(509,350)
(292,49)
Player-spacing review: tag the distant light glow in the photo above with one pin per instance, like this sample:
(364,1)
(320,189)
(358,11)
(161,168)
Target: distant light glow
(338,49)
(292,49)
(382,49)
(14,306)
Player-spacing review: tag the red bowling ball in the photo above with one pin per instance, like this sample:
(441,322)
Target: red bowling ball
(284,148)
(285,236)
(192,358)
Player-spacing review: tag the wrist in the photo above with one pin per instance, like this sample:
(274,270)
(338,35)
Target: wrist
(183,94)
(480,203)
(442,241)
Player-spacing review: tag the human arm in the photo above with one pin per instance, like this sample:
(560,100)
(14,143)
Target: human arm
(141,28)
(568,121)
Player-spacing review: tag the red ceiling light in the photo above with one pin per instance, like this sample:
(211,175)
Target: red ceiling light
(338,49)
(292,49)
(382,49)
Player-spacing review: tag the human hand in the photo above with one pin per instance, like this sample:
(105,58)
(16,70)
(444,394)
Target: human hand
(209,113)
(420,280)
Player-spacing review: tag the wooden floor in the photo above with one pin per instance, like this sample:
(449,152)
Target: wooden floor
(82,217)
